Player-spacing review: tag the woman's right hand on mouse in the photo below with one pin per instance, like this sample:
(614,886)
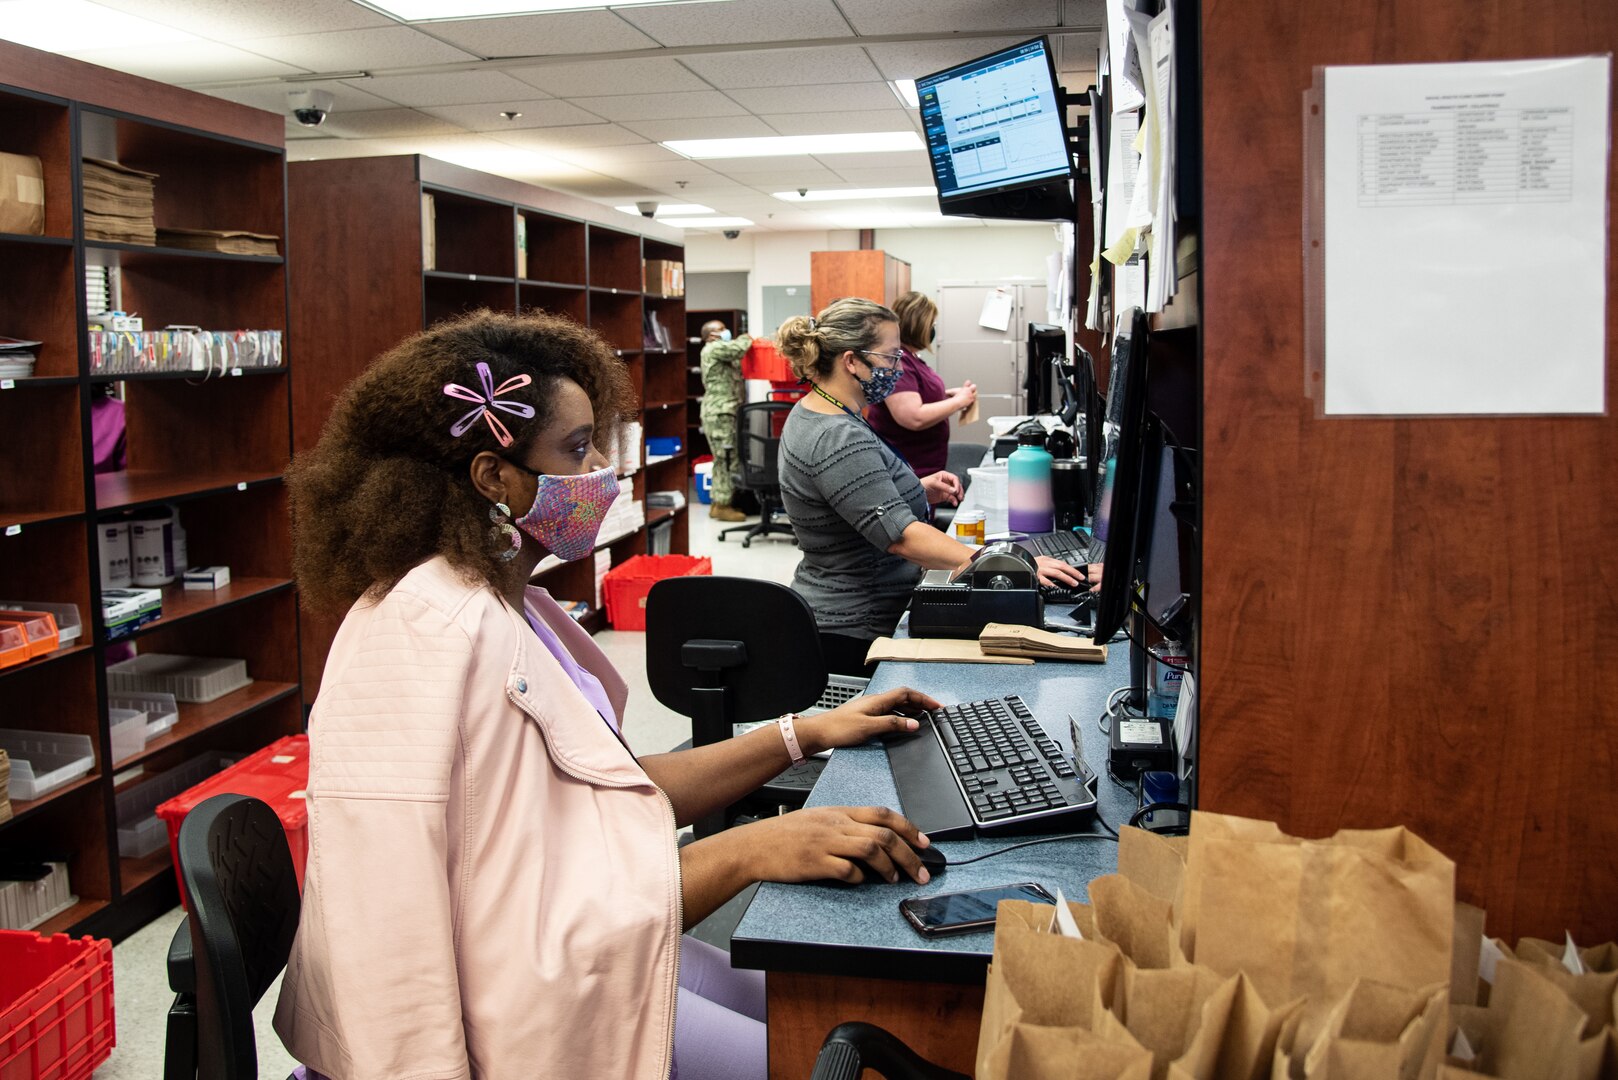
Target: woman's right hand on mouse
(818,844)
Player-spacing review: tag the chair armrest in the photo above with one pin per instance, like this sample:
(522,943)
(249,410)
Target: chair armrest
(182,971)
(852,1047)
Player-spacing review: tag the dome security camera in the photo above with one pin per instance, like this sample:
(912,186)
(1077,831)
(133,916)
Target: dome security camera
(310,107)
(803,193)
(647,209)
(731,234)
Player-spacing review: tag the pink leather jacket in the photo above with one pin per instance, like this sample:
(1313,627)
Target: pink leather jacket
(493,884)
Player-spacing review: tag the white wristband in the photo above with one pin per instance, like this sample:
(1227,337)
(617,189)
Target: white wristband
(790,737)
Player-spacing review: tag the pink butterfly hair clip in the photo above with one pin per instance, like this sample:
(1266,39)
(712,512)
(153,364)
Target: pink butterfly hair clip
(487,402)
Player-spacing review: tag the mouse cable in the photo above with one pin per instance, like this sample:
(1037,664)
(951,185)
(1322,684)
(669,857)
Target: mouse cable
(1031,843)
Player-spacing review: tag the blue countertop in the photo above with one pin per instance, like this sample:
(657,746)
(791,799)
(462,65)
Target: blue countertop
(836,929)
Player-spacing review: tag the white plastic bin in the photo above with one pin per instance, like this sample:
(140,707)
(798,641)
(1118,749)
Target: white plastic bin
(128,733)
(140,830)
(43,761)
(26,904)
(161,710)
(189,678)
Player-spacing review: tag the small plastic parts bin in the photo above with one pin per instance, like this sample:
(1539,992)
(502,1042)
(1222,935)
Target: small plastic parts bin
(161,710)
(140,830)
(128,733)
(626,585)
(68,623)
(24,904)
(663,445)
(277,775)
(13,645)
(38,626)
(55,1006)
(42,761)
(195,679)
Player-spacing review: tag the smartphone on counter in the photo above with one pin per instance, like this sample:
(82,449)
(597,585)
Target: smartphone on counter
(973,909)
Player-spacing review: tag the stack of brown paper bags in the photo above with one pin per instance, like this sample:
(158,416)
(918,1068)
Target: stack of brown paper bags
(118,203)
(227,241)
(1009,639)
(935,650)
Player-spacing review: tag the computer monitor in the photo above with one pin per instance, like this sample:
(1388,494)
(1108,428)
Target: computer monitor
(1129,475)
(1160,550)
(1047,348)
(995,125)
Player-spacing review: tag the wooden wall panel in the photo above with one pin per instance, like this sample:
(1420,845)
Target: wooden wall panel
(1403,618)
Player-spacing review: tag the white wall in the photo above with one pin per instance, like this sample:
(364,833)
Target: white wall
(934,255)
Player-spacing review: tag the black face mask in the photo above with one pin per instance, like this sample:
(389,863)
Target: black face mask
(932,335)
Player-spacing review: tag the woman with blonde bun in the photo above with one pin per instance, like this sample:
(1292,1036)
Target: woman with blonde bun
(859,510)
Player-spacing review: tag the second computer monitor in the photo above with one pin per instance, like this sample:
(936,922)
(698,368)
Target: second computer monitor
(1127,485)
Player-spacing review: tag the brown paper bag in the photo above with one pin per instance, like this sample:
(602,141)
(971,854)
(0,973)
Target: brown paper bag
(22,195)
(1039,978)
(1032,1052)
(970,415)
(1240,1035)
(1378,1031)
(1465,955)
(1139,923)
(1155,863)
(1531,1029)
(1163,1009)
(1597,958)
(1306,918)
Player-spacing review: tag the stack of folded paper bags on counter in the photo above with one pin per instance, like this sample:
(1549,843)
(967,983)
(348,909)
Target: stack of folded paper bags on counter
(1241,953)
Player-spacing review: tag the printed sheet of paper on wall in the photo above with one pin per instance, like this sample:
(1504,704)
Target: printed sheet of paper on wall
(1464,238)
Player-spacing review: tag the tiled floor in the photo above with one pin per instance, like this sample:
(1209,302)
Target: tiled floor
(139,978)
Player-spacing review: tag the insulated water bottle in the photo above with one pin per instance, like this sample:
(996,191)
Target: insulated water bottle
(1029,494)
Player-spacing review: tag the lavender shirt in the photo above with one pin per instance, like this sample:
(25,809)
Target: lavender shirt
(587,683)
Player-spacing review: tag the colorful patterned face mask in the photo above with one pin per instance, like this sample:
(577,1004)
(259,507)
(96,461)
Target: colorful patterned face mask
(568,511)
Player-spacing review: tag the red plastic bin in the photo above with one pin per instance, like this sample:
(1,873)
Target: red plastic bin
(625,586)
(277,775)
(763,360)
(56,1019)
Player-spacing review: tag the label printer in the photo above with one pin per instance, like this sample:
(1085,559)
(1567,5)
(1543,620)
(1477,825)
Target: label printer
(999,585)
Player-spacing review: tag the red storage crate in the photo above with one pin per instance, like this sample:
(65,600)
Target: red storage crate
(56,1019)
(277,775)
(626,585)
(763,360)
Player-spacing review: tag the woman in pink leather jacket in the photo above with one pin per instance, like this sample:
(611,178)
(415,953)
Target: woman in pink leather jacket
(494,888)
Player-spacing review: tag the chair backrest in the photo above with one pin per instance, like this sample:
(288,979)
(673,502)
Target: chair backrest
(243,893)
(963,456)
(758,444)
(754,639)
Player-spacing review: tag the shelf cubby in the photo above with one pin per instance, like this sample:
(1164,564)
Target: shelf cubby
(556,249)
(214,292)
(614,260)
(48,564)
(37,281)
(67,825)
(447,297)
(617,318)
(570,303)
(221,425)
(42,127)
(44,462)
(474,236)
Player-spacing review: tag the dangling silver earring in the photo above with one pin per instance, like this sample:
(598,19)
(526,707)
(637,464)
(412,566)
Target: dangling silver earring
(505,535)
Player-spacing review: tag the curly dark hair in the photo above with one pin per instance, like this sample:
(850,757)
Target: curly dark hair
(387,487)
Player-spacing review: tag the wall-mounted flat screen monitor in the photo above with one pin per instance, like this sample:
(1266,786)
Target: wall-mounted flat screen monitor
(994,124)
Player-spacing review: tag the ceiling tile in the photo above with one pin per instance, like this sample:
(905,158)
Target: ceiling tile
(701,103)
(911,61)
(898,159)
(906,177)
(535,114)
(1084,13)
(740,20)
(717,127)
(663,170)
(592,77)
(838,123)
(187,62)
(787,178)
(906,16)
(349,97)
(543,35)
(387,124)
(243,20)
(609,157)
(1077,53)
(354,50)
(848,97)
(582,135)
(451,88)
(785,67)
(741,168)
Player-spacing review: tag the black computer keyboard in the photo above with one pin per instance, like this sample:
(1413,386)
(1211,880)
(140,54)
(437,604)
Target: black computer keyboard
(1012,776)
(1070,547)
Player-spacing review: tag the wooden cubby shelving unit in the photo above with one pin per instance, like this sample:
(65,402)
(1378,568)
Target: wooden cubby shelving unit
(214,448)
(360,285)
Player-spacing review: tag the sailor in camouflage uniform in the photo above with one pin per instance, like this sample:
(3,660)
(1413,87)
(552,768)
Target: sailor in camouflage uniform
(721,398)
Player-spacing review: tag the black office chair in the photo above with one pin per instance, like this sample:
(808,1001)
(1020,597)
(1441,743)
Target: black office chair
(852,1047)
(962,456)
(758,448)
(725,650)
(242,889)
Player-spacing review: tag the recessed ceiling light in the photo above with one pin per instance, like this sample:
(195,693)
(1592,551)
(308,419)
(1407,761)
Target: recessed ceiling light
(706,222)
(671,208)
(905,89)
(862,142)
(74,26)
(438,10)
(857,193)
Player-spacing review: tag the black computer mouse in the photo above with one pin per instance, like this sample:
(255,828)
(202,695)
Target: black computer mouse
(931,858)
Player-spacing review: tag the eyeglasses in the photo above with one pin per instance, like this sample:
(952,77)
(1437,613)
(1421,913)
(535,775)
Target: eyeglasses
(896,358)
